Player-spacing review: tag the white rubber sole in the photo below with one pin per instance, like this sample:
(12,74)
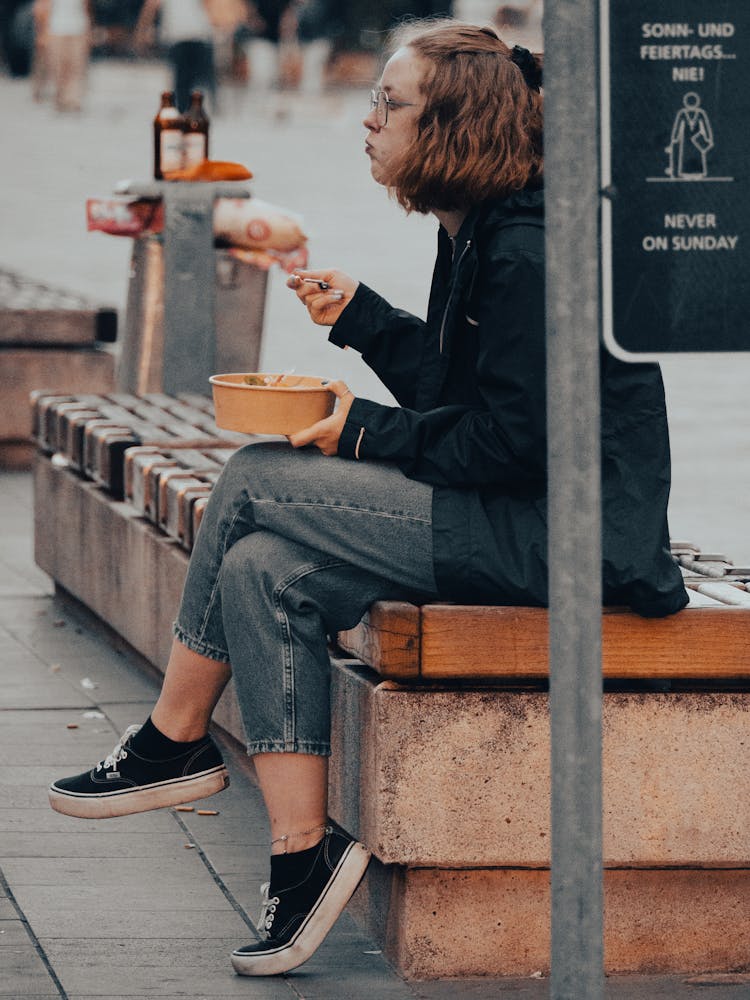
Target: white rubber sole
(156,796)
(319,921)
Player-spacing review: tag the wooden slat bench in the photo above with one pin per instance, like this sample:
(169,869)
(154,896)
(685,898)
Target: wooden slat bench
(441,730)
(164,486)
(447,642)
(93,433)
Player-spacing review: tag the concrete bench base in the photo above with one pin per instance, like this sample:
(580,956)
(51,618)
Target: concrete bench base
(461,778)
(450,787)
(436,923)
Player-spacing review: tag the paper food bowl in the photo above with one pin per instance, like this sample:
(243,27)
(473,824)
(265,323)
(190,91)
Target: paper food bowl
(295,403)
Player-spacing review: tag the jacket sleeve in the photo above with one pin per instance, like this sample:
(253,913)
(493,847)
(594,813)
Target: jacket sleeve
(501,440)
(389,340)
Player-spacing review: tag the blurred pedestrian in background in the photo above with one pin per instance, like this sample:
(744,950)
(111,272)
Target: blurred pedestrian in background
(522,20)
(40,67)
(229,19)
(67,44)
(314,31)
(16,36)
(185,28)
(271,22)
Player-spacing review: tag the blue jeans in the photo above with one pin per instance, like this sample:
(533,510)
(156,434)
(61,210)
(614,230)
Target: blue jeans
(294,546)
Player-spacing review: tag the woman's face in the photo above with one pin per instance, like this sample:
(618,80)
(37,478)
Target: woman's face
(400,80)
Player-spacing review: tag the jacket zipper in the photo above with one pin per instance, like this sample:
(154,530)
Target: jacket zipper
(450,296)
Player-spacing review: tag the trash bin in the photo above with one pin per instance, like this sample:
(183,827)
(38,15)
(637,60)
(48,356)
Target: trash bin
(194,309)
(239,306)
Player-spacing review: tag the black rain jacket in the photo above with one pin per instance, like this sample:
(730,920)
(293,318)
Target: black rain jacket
(471,421)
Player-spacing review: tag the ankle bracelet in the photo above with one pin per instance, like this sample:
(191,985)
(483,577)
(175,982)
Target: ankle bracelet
(300,833)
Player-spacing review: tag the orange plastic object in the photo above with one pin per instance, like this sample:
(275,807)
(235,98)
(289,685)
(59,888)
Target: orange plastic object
(211,170)
(299,402)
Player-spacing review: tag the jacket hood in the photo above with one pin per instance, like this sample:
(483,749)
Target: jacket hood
(526,200)
(493,213)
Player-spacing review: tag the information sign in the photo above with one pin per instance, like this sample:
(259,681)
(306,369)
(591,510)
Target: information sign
(675,175)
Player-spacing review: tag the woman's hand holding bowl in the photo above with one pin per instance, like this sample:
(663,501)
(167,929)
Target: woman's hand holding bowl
(325,433)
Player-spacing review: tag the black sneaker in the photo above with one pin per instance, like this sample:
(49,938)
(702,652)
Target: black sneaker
(295,920)
(125,783)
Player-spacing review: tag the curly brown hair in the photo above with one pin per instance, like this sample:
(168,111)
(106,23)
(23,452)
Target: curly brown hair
(480,133)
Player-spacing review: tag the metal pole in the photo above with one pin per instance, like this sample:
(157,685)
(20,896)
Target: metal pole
(573,322)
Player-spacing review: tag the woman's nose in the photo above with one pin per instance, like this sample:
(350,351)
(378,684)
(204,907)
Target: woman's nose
(370,121)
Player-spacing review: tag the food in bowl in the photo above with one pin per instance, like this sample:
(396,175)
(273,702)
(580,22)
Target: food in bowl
(268,403)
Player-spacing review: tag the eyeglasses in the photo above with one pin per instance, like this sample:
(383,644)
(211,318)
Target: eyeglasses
(380,103)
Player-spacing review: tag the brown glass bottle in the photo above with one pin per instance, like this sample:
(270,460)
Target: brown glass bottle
(167,137)
(195,127)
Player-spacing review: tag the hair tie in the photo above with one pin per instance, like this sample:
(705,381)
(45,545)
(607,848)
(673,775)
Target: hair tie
(528,65)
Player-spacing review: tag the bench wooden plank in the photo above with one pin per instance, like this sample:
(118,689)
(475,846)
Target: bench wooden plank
(698,600)
(199,470)
(94,431)
(199,505)
(483,641)
(46,410)
(71,429)
(132,456)
(146,484)
(151,474)
(448,642)
(389,634)
(176,510)
(168,481)
(727,593)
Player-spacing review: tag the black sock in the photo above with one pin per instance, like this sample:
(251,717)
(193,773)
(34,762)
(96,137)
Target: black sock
(292,868)
(152,744)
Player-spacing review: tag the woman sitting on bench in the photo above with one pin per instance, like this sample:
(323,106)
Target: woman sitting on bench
(442,496)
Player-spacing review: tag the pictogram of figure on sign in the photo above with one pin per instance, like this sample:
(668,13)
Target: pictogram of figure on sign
(691,140)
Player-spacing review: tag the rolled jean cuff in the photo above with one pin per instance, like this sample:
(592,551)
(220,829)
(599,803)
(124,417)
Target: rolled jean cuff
(199,645)
(294,746)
